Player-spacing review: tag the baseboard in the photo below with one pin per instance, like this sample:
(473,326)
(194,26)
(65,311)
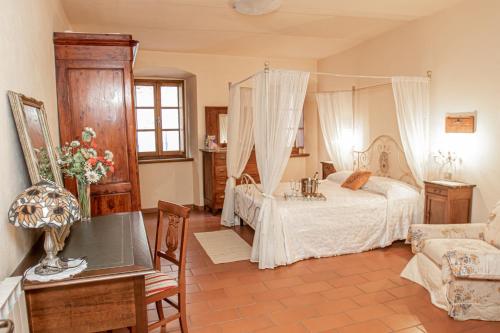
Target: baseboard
(149,210)
(154,209)
(197,208)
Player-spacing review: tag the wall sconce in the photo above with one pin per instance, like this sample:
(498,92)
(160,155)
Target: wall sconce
(460,122)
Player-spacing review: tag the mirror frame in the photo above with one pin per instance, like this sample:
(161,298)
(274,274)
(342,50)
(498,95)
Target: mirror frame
(17,103)
(219,139)
(212,122)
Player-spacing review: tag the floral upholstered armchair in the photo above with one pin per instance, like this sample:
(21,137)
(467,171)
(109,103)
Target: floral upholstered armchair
(459,264)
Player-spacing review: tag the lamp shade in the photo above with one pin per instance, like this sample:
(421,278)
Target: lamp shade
(45,204)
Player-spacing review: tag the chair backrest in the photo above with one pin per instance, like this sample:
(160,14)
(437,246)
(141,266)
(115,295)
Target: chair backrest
(492,233)
(174,215)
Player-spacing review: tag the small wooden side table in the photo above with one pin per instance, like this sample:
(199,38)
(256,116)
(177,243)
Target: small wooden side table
(448,202)
(327,168)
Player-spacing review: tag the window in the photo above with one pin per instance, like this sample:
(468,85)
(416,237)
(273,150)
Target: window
(159,109)
(299,138)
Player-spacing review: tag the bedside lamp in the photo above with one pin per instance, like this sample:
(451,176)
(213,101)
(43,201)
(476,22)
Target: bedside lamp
(46,206)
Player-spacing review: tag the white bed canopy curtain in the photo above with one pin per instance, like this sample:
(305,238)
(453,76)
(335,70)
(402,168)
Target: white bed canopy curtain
(411,96)
(278,99)
(273,114)
(239,144)
(336,114)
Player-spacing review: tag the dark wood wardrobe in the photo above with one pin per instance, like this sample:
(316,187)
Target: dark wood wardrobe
(95,89)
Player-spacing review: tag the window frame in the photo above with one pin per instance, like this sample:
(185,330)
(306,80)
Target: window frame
(159,154)
(296,149)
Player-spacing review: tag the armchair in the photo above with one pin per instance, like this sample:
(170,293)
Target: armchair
(459,265)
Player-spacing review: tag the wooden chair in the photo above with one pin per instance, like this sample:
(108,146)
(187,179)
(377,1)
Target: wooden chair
(160,286)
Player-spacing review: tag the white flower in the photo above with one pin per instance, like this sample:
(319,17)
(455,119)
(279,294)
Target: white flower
(92,152)
(101,169)
(90,130)
(92,177)
(108,155)
(87,166)
(88,134)
(75,143)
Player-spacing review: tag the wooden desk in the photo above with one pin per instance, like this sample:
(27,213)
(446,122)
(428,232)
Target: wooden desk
(109,294)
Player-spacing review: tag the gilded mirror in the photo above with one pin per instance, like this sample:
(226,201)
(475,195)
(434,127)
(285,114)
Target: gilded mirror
(34,135)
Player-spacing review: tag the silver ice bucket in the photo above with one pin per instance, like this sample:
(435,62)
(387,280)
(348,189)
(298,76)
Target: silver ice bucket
(309,186)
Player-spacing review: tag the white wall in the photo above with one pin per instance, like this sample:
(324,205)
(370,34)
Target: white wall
(182,182)
(27,66)
(460,45)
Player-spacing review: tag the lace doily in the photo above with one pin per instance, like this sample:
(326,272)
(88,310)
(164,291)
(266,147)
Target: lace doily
(75,266)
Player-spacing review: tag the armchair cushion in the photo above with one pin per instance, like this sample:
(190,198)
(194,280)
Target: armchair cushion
(474,264)
(492,232)
(436,249)
(418,233)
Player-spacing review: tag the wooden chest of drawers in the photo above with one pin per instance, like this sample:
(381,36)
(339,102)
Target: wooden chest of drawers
(215,176)
(448,202)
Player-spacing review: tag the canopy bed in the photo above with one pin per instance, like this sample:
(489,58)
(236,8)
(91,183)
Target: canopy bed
(351,221)
(268,122)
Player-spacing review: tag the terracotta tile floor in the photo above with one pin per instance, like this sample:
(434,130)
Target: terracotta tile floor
(352,293)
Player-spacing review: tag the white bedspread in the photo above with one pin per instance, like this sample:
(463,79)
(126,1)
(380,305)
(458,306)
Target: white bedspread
(347,222)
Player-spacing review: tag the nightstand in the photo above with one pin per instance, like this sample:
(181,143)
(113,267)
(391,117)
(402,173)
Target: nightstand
(327,168)
(448,202)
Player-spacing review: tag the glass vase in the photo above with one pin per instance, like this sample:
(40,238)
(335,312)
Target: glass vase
(84,200)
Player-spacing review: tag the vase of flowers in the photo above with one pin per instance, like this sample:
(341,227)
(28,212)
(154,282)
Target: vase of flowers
(79,159)
(447,162)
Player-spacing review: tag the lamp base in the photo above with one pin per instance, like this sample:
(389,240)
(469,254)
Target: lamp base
(51,266)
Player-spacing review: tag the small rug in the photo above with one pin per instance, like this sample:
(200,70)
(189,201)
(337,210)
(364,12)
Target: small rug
(224,246)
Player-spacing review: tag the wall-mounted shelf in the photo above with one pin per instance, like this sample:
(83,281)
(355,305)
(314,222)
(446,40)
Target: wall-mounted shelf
(461,122)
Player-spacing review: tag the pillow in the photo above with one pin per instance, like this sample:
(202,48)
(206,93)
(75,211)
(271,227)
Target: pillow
(391,188)
(356,180)
(339,176)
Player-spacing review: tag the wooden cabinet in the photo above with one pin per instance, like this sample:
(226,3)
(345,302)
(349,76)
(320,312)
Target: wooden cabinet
(448,202)
(327,168)
(94,89)
(215,176)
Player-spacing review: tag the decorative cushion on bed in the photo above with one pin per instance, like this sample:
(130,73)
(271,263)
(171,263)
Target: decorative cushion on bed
(356,180)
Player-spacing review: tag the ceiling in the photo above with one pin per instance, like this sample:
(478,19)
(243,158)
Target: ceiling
(299,29)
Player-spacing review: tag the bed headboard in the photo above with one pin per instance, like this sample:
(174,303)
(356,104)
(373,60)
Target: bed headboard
(384,157)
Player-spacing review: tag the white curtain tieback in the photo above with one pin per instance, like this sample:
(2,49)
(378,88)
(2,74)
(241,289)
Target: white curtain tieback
(270,196)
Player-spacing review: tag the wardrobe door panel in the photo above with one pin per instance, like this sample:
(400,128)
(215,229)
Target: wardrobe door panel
(96,96)
(94,89)
(110,203)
